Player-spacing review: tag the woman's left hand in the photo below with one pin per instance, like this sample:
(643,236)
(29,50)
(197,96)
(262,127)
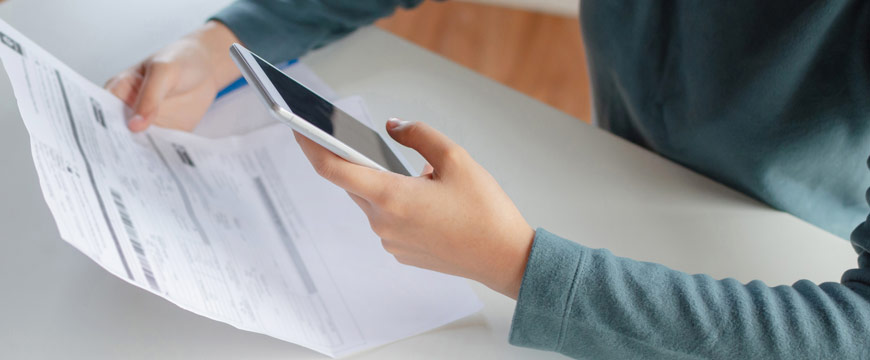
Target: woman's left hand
(454,218)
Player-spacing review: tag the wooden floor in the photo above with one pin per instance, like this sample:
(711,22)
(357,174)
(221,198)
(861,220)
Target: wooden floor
(538,54)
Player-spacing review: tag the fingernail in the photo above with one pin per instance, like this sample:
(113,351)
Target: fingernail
(393,123)
(137,118)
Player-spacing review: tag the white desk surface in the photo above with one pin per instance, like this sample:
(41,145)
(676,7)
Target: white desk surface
(564,175)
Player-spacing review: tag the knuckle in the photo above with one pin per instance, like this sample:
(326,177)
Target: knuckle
(401,259)
(388,246)
(322,168)
(381,230)
(115,83)
(158,63)
(162,67)
(115,89)
(389,200)
(112,82)
(454,154)
(385,199)
(320,165)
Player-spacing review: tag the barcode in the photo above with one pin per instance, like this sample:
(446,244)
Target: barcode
(134,240)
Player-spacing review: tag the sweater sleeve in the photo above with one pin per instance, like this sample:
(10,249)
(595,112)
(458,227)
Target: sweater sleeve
(588,303)
(281,30)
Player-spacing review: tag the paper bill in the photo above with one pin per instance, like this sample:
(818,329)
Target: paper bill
(236,228)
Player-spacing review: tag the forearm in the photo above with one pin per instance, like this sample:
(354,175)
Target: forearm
(588,303)
(283,30)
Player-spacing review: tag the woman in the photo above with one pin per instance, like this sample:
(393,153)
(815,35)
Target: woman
(769,98)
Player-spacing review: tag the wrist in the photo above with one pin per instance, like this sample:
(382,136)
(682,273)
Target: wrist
(215,39)
(508,265)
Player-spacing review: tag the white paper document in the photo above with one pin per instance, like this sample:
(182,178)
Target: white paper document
(238,228)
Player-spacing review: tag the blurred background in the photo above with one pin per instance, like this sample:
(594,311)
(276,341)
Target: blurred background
(532,46)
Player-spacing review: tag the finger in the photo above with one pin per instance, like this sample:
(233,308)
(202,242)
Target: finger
(362,203)
(125,87)
(362,181)
(135,73)
(434,146)
(158,81)
(427,170)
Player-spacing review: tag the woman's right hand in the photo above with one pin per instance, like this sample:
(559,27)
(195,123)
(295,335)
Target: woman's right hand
(174,87)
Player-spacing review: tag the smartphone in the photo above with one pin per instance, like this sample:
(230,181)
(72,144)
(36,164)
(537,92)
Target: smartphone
(314,117)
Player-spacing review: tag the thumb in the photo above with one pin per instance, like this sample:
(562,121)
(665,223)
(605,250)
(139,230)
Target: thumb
(434,146)
(158,81)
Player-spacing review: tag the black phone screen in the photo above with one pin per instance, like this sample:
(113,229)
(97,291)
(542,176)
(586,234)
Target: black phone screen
(321,113)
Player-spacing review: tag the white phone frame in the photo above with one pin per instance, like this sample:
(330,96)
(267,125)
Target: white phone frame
(255,76)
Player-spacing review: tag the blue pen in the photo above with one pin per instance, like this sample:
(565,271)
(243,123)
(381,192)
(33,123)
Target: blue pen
(240,82)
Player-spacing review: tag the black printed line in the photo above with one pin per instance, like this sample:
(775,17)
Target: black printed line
(285,236)
(75,134)
(181,190)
